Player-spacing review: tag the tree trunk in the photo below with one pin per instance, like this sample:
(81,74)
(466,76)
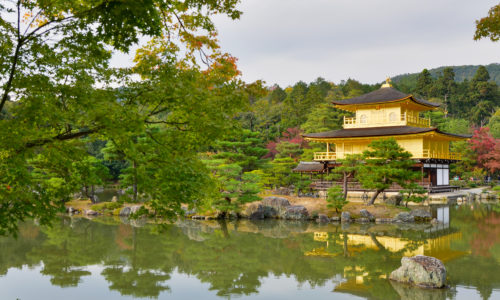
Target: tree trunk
(345,185)
(374,197)
(134,186)
(92,193)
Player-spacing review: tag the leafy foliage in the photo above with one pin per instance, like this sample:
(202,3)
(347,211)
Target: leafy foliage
(335,198)
(385,163)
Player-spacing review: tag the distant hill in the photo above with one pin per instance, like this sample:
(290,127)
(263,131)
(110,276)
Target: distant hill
(461,73)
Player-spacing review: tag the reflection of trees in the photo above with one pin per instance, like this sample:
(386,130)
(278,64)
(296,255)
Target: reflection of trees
(139,262)
(136,282)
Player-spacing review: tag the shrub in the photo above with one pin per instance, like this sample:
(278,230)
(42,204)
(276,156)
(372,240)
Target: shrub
(335,198)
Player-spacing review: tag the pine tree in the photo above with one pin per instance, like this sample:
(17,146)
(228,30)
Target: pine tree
(385,163)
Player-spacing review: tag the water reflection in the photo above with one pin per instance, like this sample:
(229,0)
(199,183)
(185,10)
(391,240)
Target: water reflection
(239,258)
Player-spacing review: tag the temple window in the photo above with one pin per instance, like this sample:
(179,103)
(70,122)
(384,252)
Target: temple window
(392,117)
(363,119)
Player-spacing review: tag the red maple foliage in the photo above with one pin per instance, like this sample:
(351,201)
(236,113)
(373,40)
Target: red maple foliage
(486,149)
(292,135)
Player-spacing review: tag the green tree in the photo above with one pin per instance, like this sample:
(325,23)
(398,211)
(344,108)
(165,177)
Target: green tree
(347,169)
(494,124)
(413,192)
(55,74)
(424,83)
(323,117)
(336,198)
(287,149)
(385,163)
(487,27)
(295,106)
(279,173)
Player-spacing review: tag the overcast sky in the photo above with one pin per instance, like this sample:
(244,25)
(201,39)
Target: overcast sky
(284,41)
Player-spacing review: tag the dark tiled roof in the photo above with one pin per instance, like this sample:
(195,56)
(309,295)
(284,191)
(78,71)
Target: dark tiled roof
(376,131)
(308,166)
(386,94)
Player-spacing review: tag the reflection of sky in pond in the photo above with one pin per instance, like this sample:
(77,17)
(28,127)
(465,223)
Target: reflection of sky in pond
(29,283)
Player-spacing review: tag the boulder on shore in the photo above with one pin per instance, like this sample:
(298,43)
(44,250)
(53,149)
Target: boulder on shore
(404,217)
(421,215)
(90,212)
(278,203)
(366,214)
(322,218)
(258,211)
(345,217)
(125,212)
(295,212)
(422,271)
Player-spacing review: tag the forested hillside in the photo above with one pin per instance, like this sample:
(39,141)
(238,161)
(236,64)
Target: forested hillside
(461,73)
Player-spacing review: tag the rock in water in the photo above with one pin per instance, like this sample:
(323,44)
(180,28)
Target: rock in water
(422,271)
(345,217)
(296,212)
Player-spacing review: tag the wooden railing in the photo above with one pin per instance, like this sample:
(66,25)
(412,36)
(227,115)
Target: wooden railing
(325,156)
(441,155)
(331,156)
(351,122)
(416,121)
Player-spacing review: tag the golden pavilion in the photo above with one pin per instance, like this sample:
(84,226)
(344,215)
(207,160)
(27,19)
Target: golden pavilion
(385,113)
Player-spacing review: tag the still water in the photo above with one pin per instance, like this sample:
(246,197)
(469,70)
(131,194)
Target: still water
(106,258)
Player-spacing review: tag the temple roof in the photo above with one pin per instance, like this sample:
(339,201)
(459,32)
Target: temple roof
(309,166)
(383,95)
(377,131)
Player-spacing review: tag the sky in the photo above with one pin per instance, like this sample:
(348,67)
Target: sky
(284,41)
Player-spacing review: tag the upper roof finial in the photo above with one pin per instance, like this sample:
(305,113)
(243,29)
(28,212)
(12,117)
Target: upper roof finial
(387,82)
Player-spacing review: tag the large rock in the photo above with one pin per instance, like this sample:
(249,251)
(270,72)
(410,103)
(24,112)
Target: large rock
(394,200)
(259,211)
(404,217)
(278,203)
(125,212)
(135,208)
(295,212)
(322,218)
(421,215)
(90,212)
(366,214)
(363,220)
(345,217)
(422,271)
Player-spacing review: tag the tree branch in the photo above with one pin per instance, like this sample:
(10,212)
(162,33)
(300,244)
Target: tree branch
(60,137)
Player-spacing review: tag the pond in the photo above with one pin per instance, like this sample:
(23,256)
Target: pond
(107,258)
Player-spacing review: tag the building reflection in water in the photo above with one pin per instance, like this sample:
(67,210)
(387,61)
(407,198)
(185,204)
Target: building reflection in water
(368,249)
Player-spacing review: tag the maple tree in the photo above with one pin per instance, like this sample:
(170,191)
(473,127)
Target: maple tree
(58,93)
(486,150)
